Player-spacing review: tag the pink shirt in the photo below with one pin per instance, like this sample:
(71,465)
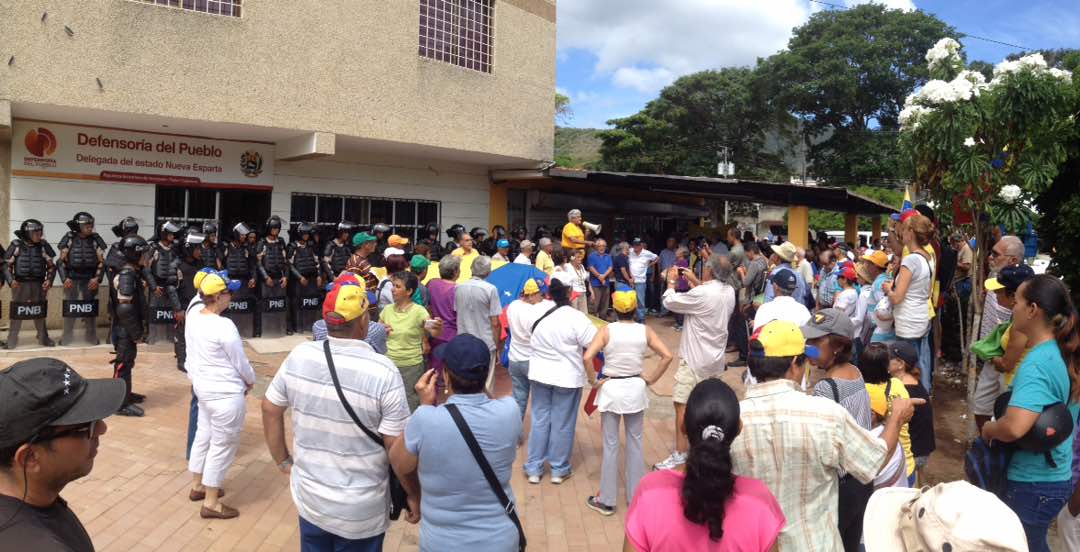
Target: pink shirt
(655,520)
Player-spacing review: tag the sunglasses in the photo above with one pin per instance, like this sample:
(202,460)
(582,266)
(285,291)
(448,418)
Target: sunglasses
(87,428)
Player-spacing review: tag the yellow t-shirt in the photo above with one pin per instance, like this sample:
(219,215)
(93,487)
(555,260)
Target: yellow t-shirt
(544,262)
(466,263)
(897,390)
(572,230)
(1011,374)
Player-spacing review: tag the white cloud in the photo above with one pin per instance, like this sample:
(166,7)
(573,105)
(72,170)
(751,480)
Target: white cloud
(646,44)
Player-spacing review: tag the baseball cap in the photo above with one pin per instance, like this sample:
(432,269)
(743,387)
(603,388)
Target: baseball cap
(526,243)
(849,273)
(347,301)
(780,338)
(393,251)
(955,516)
(636,241)
(397,241)
(785,251)
(624,301)
(419,262)
(785,279)
(217,282)
(904,351)
(879,258)
(531,287)
(40,392)
(466,356)
(1010,278)
(829,322)
(502,244)
(197,280)
(361,238)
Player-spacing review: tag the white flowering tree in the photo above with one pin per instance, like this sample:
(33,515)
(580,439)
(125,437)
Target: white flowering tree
(979,145)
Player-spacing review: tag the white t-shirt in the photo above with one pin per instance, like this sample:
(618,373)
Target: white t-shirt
(861,306)
(522,259)
(639,264)
(784,307)
(558,344)
(216,363)
(575,278)
(895,473)
(845,301)
(911,317)
(521,316)
(883,309)
(624,355)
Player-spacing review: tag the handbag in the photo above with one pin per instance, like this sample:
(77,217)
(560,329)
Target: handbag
(397,491)
(489,474)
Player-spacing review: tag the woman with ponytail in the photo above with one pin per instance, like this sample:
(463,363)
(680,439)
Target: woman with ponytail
(1039,482)
(702,505)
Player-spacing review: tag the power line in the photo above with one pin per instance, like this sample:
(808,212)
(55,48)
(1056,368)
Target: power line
(964,35)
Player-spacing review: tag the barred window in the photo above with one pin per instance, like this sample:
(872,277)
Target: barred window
(458,32)
(406,217)
(215,7)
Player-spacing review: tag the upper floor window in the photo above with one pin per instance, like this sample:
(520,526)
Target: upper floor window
(216,7)
(458,32)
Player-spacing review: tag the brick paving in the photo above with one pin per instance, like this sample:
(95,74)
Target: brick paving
(136,497)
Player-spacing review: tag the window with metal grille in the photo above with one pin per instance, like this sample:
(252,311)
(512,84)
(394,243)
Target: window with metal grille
(215,7)
(458,32)
(405,217)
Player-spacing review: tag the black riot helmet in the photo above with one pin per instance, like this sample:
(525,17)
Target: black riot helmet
(1053,426)
(380,227)
(82,217)
(193,241)
(240,231)
(346,227)
(274,222)
(305,228)
(431,229)
(541,232)
(455,231)
(133,248)
(209,228)
(126,227)
(478,234)
(27,229)
(499,231)
(521,233)
(169,228)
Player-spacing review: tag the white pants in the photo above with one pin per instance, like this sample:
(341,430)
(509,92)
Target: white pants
(1069,529)
(216,438)
(634,461)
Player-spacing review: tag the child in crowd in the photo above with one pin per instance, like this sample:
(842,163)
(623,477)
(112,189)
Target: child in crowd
(876,358)
(874,365)
(848,297)
(902,366)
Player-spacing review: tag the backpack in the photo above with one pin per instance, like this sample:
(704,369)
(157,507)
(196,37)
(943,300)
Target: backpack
(986,466)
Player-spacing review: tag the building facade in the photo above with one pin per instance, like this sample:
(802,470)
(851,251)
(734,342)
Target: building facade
(367,110)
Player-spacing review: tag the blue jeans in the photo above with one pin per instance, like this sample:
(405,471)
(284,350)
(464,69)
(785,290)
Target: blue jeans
(192,423)
(926,358)
(314,539)
(519,380)
(1037,504)
(554,416)
(639,288)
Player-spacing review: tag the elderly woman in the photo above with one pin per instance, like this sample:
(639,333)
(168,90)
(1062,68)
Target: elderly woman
(573,233)
(441,305)
(556,374)
(220,377)
(525,256)
(910,293)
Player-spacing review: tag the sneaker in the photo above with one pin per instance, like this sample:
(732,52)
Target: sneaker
(671,462)
(130,410)
(534,479)
(603,509)
(558,479)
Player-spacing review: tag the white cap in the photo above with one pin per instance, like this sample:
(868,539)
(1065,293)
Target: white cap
(956,516)
(392,251)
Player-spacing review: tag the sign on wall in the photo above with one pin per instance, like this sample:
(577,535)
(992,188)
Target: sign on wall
(53,150)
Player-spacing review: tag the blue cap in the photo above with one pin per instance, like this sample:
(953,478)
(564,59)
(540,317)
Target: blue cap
(502,244)
(785,279)
(466,356)
(232,285)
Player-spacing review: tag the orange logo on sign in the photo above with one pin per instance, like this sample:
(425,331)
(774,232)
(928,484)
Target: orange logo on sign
(40,142)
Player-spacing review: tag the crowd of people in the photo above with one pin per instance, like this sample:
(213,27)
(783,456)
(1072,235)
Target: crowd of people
(393,413)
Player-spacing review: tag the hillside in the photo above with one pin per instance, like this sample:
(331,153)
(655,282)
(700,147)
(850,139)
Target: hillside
(577,148)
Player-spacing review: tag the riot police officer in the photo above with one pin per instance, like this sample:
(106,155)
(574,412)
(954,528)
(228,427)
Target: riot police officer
(431,237)
(455,233)
(30,269)
(114,261)
(478,236)
(381,232)
(273,270)
(191,251)
(307,285)
(81,268)
(520,233)
(337,252)
(128,284)
(239,262)
(488,247)
(211,249)
(165,308)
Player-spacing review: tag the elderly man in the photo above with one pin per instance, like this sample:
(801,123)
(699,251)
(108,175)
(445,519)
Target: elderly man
(340,495)
(478,309)
(600,276)
(543,257)
(1008,251)
(827,285)
(525,255)
(573,234)
(783,258)
(639,260)
(707,307)
(798,444)
(803,265)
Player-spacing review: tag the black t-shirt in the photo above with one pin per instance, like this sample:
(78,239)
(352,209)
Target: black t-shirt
(617,263)
(54,528)
(921,425)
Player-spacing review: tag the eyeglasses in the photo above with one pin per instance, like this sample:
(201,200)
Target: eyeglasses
(87,428)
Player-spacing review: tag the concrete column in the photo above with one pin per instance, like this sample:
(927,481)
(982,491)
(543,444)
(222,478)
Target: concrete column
(798,225)
(875,228)
(851,228)
(497,205)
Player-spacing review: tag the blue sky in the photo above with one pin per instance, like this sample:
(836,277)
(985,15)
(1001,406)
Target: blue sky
(616,55)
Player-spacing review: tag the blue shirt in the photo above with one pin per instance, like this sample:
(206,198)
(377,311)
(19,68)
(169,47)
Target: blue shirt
(667,259)
(618,263)
(800,287)
(601,262)
(460,511)
(1042,380)
(376,334)
(828,287)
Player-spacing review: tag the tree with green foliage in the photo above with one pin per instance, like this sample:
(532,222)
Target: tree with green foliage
(681,131)
(845,74)
(823,221)
(1059,226)
(563,113)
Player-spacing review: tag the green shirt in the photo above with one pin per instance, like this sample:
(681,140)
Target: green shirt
(1042,380)
(404,345)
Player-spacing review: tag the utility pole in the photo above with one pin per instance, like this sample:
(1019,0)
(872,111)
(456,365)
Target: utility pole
(725,169)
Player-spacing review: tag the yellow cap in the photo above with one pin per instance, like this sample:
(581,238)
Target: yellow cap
(878,257)
(199,278)
(992,284)
(781,338)
(531,287)
(879,403)
(213,284)
(348,301)
(624,301)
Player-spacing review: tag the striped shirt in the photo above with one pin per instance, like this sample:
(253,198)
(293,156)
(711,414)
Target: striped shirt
(797,444)
(339,475)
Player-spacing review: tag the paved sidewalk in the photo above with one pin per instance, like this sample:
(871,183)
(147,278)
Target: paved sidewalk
(136,497)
